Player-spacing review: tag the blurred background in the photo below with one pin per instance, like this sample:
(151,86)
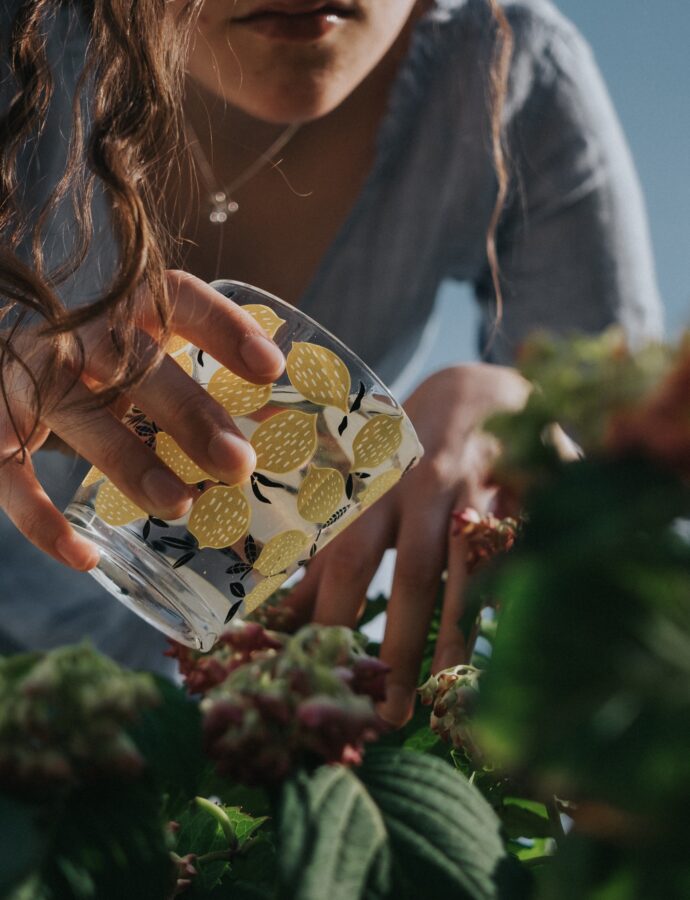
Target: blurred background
(642,49)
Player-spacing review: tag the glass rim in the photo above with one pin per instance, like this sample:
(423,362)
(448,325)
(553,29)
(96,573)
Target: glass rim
(329,334)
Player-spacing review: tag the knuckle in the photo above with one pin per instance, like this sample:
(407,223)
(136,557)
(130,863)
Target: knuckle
(113,450)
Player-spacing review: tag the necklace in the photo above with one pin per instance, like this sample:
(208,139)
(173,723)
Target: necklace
(220,198)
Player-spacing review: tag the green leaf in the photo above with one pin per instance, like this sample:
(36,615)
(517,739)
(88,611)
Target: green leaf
(23,843)
(525,819)
(444,837)
(110,844)
(255,869)
(405,825)
(331,835)
(244,824)
(169,738)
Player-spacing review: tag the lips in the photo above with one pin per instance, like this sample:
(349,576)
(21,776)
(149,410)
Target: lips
(297,8)
(297,21)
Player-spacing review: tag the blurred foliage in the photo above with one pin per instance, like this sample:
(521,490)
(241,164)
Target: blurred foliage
(560,771)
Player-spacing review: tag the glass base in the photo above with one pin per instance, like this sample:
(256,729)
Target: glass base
(135,575)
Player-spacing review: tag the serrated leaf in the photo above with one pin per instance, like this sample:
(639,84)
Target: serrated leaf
(244,824)
(201,833)
(443,835)
(330,836)
(406,825)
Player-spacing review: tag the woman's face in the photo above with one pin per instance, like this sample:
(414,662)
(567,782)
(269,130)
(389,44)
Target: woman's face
(291,60)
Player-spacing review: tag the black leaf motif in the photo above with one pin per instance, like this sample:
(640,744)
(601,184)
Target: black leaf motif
(257,493)
(159,546)
(251,551)
(349,486)
(312,550)
(238,569)
(146,530)
(266,482)
(200,357)
(302,562)
(159,522)
(184,559)
(343,425)
(358,399)
(237,589)
(231,612)
(179,543)
(336,515)
(363,474)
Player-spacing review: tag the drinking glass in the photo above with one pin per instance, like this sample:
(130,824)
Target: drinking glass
(329,439)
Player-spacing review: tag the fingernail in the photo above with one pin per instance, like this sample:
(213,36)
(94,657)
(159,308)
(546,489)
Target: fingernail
(77,552)
(164,491)
(231,453)
(397,707)
(261,355)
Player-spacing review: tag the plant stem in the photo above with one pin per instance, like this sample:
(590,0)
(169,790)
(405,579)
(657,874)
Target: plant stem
(215,856)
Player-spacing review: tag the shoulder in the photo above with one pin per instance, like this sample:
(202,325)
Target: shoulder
(546,45)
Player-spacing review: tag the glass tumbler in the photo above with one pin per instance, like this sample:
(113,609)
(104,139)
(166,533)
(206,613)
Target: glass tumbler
(329,440)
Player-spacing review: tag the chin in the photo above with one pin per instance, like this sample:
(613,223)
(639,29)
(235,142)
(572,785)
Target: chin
(293,105)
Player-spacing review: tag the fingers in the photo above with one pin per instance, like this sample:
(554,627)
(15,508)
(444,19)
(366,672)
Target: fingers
(210,320)
(451,648)
(350,562)
(101,438)
(184,409)
(31,510)
(421,560)
(200,425)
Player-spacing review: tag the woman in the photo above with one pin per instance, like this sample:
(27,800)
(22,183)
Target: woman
(347,156)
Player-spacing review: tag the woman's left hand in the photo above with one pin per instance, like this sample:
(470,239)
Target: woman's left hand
(414,517)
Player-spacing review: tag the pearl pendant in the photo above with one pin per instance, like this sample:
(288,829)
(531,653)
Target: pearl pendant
(221,208)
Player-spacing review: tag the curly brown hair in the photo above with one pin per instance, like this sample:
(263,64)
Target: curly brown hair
(134,73)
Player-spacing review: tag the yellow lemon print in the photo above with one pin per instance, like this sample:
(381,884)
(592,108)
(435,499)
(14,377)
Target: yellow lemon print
(319,494)
(92,476)
(319,375)
(176,459)
(376,441)
(265,316)
(184,361)
(379,486)
(281,551)
(220,517)
(262,592)
(239,397)
(114,507)
(175,344)
(286,441)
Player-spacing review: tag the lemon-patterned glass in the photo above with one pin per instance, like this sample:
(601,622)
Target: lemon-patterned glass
(329,440)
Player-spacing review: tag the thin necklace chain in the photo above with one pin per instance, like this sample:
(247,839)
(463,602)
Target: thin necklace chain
(221,197)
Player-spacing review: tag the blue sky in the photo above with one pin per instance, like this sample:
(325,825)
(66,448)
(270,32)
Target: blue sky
(643,50)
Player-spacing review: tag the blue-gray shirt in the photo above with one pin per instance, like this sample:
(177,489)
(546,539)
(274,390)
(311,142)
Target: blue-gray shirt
(573,243)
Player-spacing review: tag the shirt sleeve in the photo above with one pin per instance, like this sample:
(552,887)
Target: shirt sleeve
(573,243)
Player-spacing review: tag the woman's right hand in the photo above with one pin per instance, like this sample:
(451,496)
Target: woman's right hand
(180,406)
